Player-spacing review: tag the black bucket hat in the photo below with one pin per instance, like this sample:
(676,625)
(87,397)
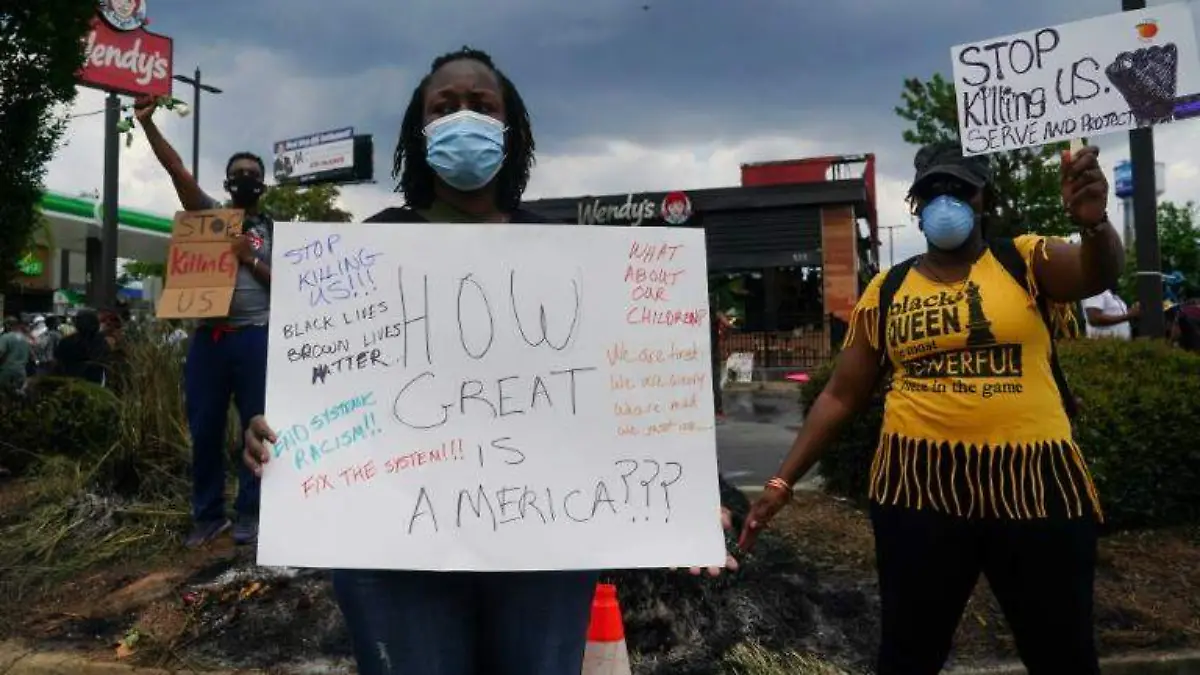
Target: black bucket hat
(946,159)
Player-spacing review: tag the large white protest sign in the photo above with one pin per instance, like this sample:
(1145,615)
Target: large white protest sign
(1098,76)
(482,397)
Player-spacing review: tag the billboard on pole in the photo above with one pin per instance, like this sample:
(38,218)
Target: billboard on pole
(325,157)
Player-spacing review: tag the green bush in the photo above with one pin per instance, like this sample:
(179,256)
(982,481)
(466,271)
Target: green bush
(845,468)
(131,438)
(1140,401)
(102,473)
(57,416)
(152,458)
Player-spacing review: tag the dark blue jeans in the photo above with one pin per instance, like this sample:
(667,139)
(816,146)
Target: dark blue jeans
(463,623)
(222,364)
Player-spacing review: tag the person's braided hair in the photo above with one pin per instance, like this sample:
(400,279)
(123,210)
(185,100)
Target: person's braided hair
(416,178)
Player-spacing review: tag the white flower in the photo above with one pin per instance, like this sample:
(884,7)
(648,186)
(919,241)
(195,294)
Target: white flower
(182,109)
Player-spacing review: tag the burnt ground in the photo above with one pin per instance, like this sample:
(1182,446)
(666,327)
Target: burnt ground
(808,588)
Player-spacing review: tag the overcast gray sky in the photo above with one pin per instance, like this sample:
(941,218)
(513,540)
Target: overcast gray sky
(626,95)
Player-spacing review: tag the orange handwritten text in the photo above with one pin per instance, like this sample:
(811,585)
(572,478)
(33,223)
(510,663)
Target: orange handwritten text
(658,276)
(359,473)
(651,284)
(451,450)
(619,382)
(316,484)
(622,353)
(641,315)
(674,381)
(626,409)
(665,428)
(652,253)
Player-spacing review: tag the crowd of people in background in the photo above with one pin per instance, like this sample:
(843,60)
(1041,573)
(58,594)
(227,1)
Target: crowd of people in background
(82,345)
(1107,316)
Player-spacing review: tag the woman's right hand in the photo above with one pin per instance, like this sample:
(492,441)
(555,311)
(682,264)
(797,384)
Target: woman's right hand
(770,502)
(256,454)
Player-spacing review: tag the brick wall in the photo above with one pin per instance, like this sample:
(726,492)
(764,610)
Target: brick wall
(840,260)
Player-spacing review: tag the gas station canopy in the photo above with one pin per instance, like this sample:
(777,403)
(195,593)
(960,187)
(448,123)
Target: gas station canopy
(140,235)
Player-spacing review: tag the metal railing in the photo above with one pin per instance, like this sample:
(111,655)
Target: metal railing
(802,349)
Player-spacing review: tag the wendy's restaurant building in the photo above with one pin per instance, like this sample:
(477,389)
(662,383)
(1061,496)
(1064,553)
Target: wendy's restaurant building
(789,250)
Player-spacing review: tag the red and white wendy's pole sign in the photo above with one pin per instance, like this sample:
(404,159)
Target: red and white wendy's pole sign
(122,56)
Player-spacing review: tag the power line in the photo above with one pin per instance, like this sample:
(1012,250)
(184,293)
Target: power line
(95,112)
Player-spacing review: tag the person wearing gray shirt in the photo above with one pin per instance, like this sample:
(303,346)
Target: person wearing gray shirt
(227,356)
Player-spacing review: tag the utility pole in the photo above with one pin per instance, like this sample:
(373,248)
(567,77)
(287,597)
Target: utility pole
(197,86)
(105,288)
(1152,322)
(891,241)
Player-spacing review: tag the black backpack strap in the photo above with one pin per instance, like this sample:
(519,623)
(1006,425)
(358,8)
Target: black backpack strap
(887,292)
(1009,256)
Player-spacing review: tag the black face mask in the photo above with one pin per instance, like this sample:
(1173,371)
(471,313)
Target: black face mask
(245,189)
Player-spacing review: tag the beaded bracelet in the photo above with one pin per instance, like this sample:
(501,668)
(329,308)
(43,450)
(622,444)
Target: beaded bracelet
(780,484)
(1092,229)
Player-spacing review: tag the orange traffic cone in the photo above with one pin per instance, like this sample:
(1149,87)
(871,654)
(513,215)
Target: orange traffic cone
(606,652)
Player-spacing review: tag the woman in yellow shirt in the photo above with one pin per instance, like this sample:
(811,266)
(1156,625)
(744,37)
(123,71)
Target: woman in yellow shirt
(976,469)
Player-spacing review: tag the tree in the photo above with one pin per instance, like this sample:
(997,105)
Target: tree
(138,270)
(41,47)
(316,204)
(1179,244)
(1179,249)
(1028,194)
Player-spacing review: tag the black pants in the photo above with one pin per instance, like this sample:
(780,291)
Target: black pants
(1042,572)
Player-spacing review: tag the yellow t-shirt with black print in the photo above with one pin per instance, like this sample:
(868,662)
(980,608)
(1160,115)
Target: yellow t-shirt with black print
(973,421)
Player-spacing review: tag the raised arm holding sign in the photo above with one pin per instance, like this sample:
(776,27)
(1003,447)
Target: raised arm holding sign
(222,276)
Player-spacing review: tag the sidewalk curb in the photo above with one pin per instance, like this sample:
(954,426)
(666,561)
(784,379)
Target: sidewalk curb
(1183,663)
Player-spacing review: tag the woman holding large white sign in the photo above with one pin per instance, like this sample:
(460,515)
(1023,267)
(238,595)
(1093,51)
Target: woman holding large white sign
(464,156)
(976,469)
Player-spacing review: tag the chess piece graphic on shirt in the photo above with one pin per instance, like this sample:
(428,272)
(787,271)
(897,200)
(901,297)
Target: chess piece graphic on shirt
(979,331)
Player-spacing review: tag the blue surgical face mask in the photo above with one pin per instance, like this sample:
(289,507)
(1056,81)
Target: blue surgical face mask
(947,222)
(465,149)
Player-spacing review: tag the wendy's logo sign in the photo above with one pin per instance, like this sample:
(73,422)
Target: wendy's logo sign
(124,14)
(676,208)
(122,56)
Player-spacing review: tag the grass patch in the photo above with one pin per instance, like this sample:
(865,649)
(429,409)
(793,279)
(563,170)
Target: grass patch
(754,659)
(60,529)
(116,489)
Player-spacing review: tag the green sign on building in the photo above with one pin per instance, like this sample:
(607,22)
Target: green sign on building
(30,266)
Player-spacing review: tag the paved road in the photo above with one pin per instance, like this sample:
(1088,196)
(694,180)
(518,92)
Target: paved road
(755,436)
(749,452)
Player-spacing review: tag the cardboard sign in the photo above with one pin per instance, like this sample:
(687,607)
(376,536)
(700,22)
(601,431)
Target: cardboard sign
(1097,76)
(201,266)
(490,398)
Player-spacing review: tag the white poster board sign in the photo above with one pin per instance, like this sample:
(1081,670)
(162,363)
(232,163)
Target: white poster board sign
(1097,76)
(484,397)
